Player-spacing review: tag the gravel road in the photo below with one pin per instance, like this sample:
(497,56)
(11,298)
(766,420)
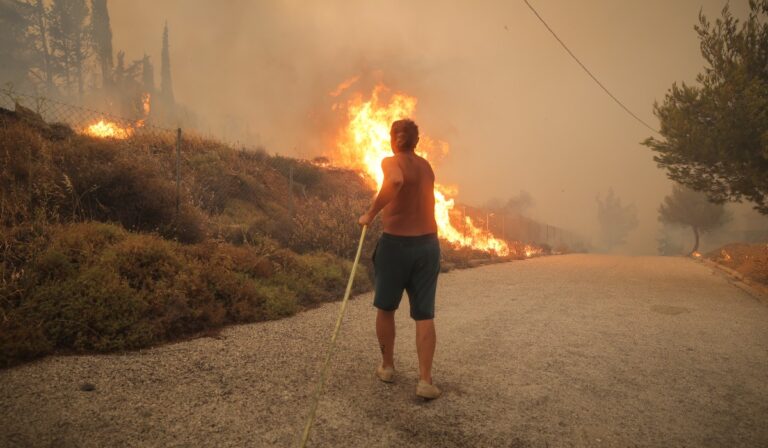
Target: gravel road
(578,350)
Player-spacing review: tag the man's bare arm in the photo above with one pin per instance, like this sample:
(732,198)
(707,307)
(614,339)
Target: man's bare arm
(393,181)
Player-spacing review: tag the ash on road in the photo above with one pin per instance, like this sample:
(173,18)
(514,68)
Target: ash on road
(579,350)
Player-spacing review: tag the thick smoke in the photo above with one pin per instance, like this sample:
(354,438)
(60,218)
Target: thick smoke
(517,113)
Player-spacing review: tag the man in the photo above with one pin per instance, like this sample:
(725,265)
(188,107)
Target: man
(407,256)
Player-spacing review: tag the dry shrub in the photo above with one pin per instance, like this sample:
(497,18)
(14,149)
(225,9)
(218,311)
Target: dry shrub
(331,226)
(303,172)
(216,181)
(83,178)
(28,187)
(751,260)
(75,277)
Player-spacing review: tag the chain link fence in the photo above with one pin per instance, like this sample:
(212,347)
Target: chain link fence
(57,118)
(81,120)
(97,123)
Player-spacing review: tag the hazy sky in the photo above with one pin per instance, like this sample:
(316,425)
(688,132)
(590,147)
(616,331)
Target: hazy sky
(517,112)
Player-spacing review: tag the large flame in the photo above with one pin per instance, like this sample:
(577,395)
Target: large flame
(364,142)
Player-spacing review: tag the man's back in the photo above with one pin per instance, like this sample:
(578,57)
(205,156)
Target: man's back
(407,256)
(412,211)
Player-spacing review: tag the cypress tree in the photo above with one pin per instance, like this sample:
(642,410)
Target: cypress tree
(166,85)
(101,34)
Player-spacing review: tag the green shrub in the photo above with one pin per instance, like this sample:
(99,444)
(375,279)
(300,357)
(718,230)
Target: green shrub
(94,310)
(322,277)
(279,301)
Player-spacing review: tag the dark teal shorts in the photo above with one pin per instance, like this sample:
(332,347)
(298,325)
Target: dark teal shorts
(407,263)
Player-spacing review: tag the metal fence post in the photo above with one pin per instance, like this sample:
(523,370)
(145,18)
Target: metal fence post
(29,181)
(290,187)
(178,171)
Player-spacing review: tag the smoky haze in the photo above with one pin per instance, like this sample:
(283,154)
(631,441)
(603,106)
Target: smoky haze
(517,112)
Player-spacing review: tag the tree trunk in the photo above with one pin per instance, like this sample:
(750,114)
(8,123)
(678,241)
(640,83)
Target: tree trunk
(696,240)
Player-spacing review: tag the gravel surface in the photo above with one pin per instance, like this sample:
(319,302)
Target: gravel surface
(578,350)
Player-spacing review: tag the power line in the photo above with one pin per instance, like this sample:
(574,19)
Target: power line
(605,89)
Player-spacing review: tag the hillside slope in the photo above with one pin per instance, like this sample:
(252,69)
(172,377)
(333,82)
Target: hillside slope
(95,255)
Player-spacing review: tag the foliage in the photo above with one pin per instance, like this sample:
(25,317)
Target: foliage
(330,225)
(303,173)
(616,220)
(101,37)
(667,243)
(96,287)
(94,258)
(84,178)
(691,209)
(715,134)
(69,42)
(16,52)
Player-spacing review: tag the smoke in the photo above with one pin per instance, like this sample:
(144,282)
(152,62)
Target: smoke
(517,113)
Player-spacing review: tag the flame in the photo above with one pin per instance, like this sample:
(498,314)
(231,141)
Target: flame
(531,251)
(108,129)
(364,142)
(145,106)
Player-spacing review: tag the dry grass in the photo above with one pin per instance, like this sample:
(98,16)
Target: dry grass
(750,260)
(94,256)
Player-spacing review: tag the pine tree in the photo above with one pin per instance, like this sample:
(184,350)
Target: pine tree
(616,220)
(714,133)
(120,69)
(166,85)
(690,208)
(69,40)
(38,34)
(16,55)
(147,75)
(101,34)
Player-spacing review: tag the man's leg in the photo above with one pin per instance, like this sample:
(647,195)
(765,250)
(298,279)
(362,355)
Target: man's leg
(426,339)
(385,331)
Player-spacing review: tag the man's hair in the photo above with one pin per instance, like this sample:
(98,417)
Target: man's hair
(411,130)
